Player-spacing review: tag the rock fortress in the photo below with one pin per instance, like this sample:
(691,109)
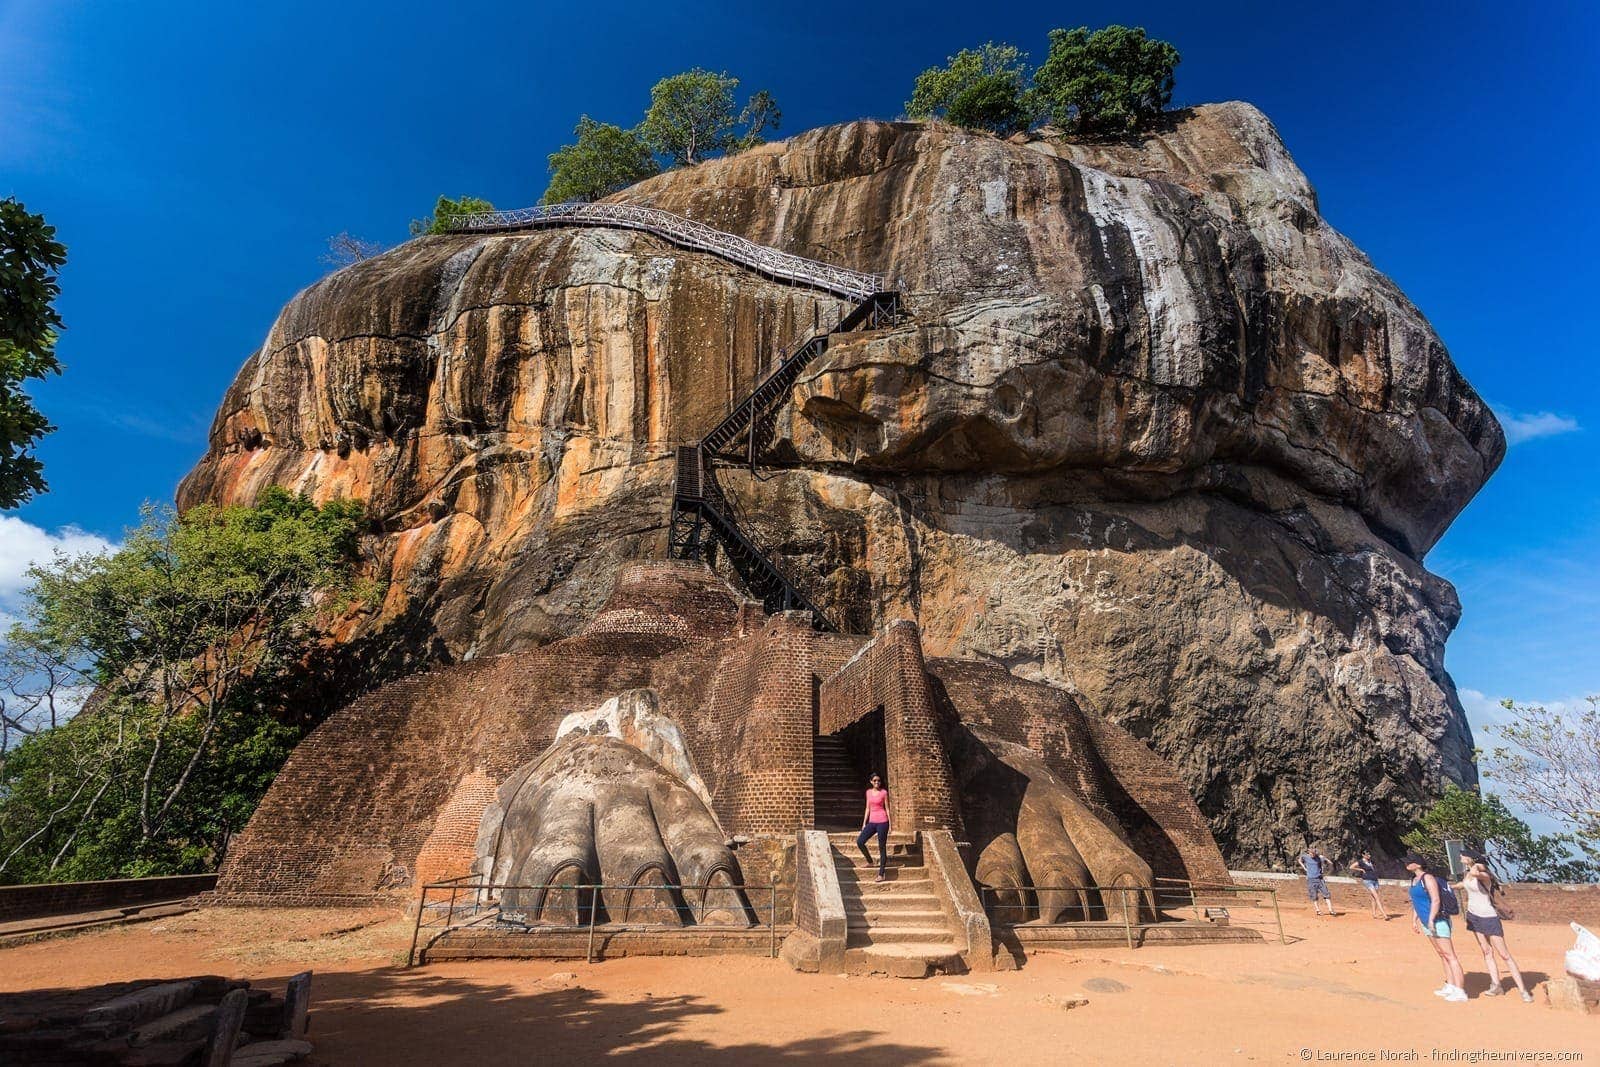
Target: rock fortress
(1081,490)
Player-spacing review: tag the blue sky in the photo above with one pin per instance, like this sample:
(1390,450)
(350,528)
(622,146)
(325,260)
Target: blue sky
(196,157)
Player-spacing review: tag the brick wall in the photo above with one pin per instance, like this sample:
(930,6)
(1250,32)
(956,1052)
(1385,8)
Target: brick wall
(889,673)
(390,789)
(65,898)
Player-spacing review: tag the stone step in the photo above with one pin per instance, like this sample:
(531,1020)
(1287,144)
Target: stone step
(894,920)
(886,902)
(142,1005)
(913,935)
(189,1023)
(868,888)
(892,861)
(270,1053)
(904,960)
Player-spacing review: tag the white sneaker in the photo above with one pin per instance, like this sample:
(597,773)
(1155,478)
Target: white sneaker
(1443,991)
(1456,995)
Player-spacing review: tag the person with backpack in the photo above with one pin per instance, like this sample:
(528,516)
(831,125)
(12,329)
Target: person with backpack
(1432,903)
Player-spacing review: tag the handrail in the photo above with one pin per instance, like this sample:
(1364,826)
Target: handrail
(1157,896)
(856,285)
(482,909)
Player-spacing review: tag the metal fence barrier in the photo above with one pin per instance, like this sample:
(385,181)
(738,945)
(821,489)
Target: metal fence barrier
(467,902)
(1094,904)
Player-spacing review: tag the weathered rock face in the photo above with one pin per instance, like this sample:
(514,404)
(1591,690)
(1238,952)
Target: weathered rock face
(1154,432)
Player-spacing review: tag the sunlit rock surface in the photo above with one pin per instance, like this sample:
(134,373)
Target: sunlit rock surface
(1153,431)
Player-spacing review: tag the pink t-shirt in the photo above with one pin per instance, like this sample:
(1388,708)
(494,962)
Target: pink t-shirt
(877,805)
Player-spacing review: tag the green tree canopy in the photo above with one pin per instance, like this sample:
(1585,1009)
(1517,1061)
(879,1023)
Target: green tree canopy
(1515,852)
(604,159)
(447,209)
(185,637)
(979,88)
(692,116)
(30,256)
(1114,80)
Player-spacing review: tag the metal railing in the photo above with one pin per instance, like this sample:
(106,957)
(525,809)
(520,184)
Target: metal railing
(1167,895)
(687,233)
(467,902)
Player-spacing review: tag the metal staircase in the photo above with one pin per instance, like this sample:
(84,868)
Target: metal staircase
(701,513)
(702,516)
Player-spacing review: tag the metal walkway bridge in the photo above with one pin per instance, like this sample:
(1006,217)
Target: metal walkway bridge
(702,516)
(686,233)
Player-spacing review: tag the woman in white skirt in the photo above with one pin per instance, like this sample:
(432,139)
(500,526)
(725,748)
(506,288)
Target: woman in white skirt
(1483,919)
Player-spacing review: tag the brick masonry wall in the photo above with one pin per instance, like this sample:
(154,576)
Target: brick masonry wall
(19,902)
(391,788)
(889,673)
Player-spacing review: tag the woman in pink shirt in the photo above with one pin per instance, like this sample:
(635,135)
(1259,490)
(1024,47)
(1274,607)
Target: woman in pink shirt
(876,821)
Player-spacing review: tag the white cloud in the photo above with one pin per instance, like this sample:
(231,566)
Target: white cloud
(1529,427)
(22,544)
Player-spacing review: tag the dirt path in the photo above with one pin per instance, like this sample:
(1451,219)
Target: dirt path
(1345,985)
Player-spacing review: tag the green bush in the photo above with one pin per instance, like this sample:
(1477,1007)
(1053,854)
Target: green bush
(447,209)
(1115,80)
(979,88)
(605,158)
(189,637)
(1515,852)
(692,116)
(30,256)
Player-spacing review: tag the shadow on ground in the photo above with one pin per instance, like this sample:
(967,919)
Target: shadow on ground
(391,1015)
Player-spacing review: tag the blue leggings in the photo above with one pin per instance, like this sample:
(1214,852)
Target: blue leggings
(882,830)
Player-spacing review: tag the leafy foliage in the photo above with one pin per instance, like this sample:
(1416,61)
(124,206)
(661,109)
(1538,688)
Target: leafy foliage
(1552,765)
(30,256)
(605,158)
(447,209)
(187,637)
(979,88)
(692,116)
(760,114)
(1114,80)
(1514,851)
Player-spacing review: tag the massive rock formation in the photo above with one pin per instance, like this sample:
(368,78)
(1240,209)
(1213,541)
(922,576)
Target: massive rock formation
(1153,431)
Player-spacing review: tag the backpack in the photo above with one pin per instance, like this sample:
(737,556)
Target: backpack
(1448,904)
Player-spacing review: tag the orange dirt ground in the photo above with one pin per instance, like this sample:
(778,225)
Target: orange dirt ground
(1345,985)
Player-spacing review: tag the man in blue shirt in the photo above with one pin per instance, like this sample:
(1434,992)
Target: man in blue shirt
(1316,867)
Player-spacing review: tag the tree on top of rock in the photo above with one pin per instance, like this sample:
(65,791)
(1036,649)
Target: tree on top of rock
(605,158)
(446,211)
(980,88)
(30,256)
(1114,80)
(692,116)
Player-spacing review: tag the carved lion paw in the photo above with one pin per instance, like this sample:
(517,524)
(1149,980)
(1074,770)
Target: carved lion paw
(596,810)
(1042,848)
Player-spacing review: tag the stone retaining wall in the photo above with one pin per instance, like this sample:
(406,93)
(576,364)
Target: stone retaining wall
(19,902)
(1531,902)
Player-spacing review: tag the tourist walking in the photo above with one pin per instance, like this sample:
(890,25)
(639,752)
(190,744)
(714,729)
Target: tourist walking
(1431,905)
(1484,920)
(1363,869)
(876,821)
(1316,867)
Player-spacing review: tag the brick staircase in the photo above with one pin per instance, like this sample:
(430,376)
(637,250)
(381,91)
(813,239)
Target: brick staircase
(839,790)
(895,927)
